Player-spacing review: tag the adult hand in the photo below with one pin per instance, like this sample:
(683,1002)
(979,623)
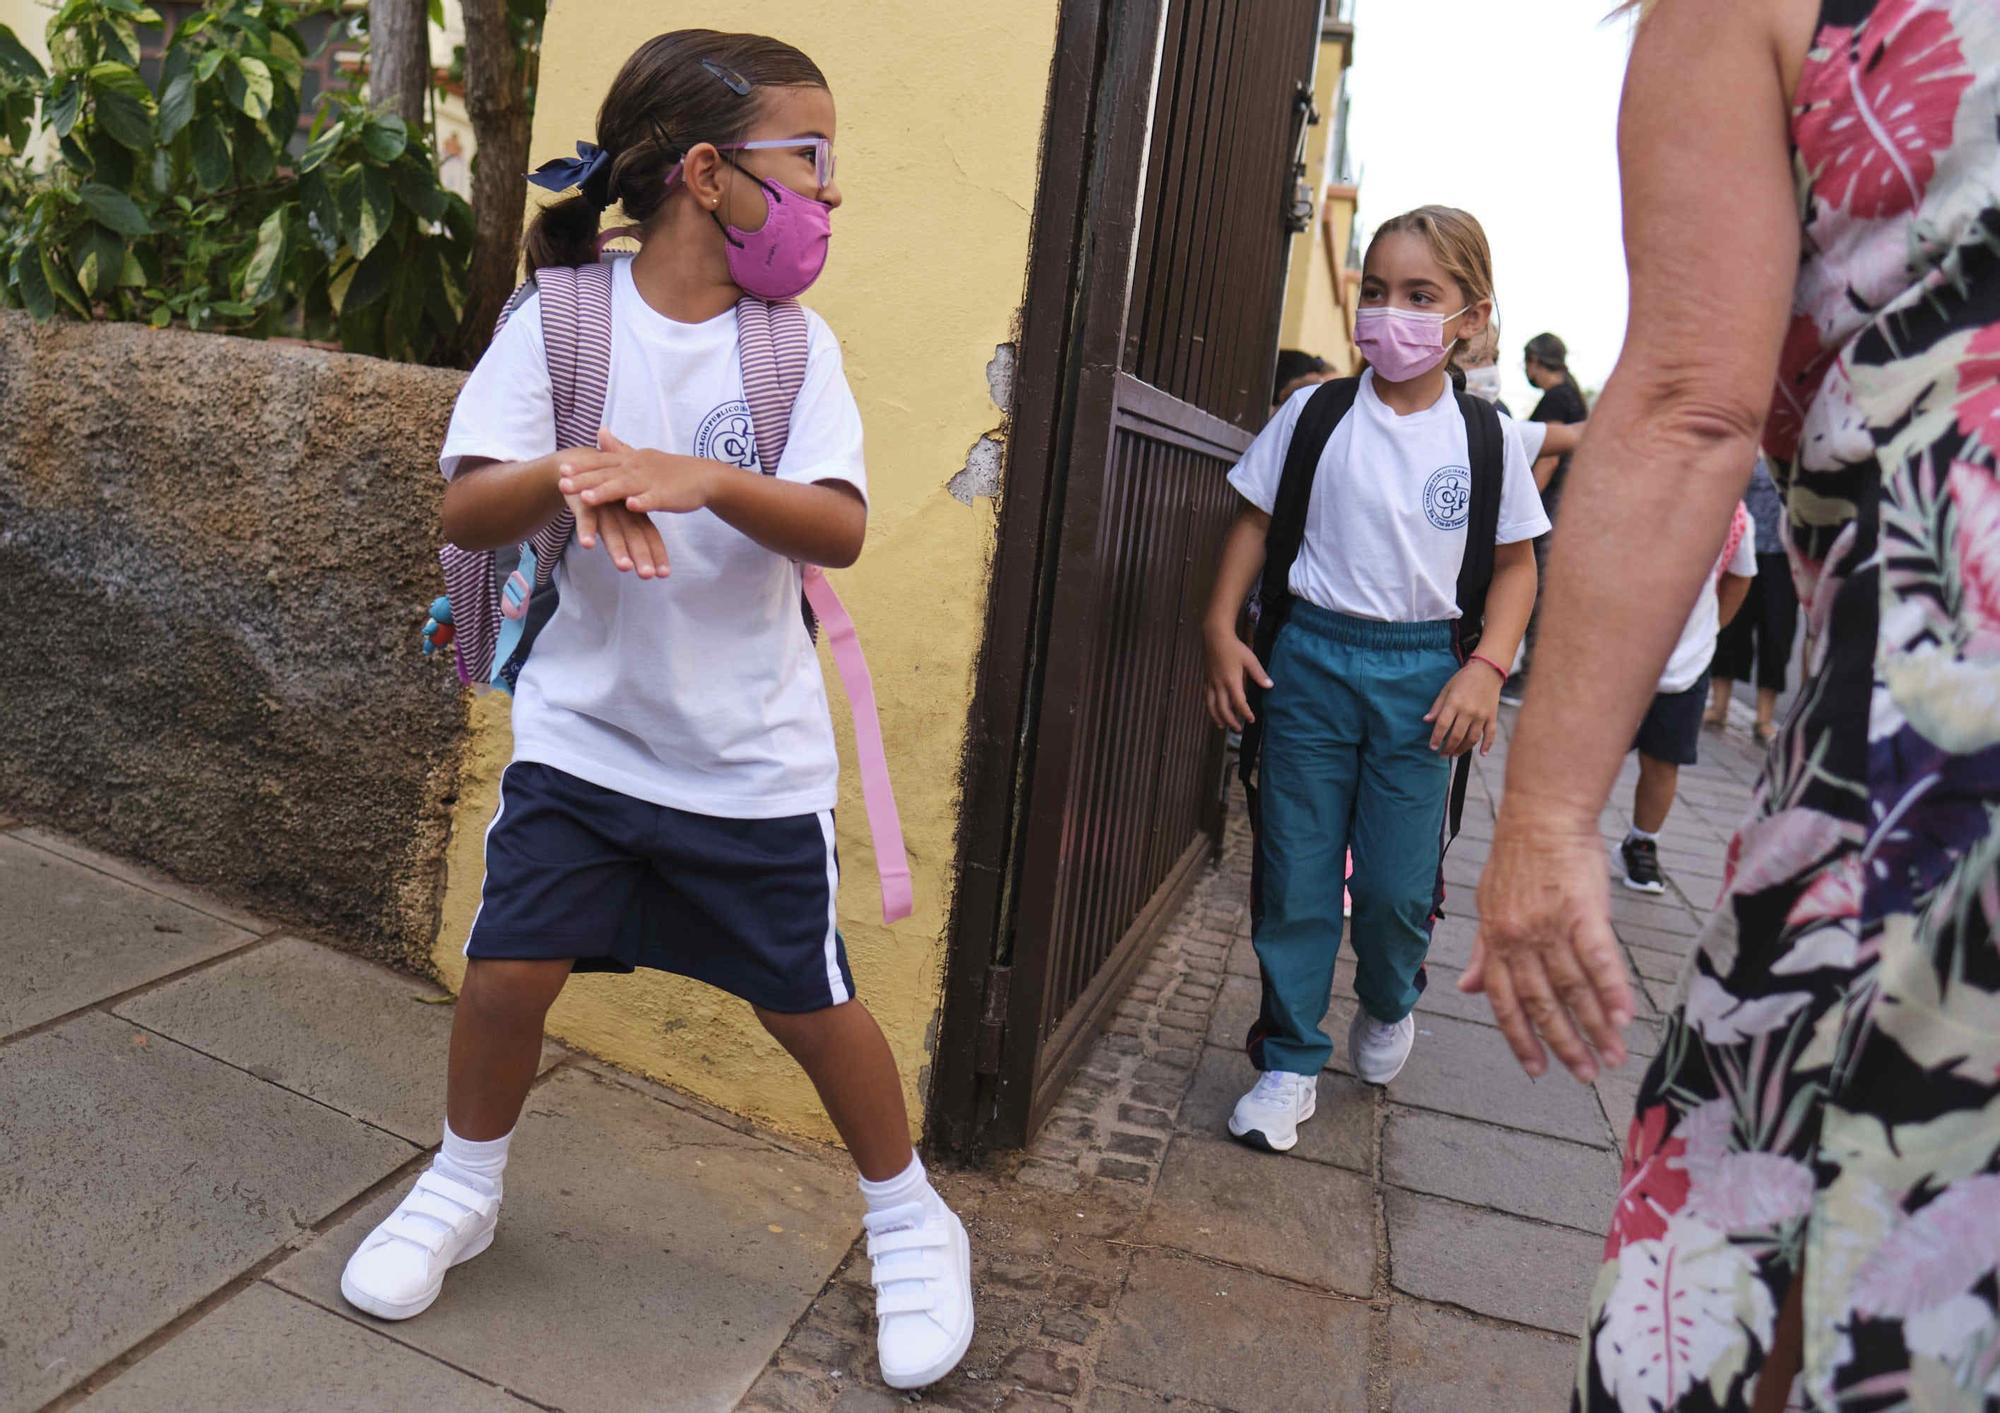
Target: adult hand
(1545,956)
(1466,711)
(1231,664)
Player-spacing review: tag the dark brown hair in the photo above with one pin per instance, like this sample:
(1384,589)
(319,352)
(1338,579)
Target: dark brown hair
(663,101)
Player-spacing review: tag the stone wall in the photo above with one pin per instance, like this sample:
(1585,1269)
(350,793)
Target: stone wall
(214,559)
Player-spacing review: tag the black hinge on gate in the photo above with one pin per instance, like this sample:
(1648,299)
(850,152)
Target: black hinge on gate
(993,1019)
(1298,212)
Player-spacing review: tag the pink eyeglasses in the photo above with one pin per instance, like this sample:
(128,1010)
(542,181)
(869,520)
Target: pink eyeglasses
(822,152)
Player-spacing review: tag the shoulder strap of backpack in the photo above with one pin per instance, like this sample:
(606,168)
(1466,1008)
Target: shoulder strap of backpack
(772,342)
(1323,412)
(1486,448)
(576,336)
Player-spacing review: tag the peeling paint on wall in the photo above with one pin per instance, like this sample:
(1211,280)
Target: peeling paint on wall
(1000,377)
(980,476)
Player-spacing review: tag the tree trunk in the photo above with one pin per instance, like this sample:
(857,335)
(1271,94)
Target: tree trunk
(399,57)
(497,78)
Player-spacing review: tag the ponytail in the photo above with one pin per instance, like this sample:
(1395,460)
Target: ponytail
(563,233)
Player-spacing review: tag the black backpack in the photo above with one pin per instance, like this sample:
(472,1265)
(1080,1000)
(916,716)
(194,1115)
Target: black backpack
(1323,412)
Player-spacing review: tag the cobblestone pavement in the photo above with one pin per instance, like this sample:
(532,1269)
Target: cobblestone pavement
(1426,1247)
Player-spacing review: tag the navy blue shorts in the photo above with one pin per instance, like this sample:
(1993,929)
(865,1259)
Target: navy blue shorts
(575,870)
(1671,729)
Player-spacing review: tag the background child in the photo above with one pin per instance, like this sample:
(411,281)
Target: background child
(1367,701)
(1670,732)
(670,799)
(1763,630)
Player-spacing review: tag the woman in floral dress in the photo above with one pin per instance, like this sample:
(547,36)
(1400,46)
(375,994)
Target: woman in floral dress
(1812,1181)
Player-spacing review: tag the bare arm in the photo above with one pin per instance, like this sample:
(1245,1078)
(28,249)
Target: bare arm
(1467,711)
(1230,660)
(1562,439)
(1729,596)
(1703,128)
(820,523)
(493,503)
(1545,470)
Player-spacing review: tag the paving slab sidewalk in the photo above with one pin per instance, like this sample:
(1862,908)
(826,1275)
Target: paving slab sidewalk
(199,1116)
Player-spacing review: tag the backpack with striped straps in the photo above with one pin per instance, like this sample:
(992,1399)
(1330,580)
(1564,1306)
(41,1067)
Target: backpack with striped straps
(497,601)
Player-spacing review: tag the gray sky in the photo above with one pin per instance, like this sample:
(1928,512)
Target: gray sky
(1507,108)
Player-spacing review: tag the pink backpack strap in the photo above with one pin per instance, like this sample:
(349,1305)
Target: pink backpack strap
(775,340)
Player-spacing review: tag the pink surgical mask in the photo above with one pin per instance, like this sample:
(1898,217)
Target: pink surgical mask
(782,257)
(1401,344)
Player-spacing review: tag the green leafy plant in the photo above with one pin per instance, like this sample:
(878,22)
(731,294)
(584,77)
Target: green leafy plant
(187,203)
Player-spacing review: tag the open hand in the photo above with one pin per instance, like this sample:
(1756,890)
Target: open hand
(1546,957)
(1231,664)
(1465,712)
(630,538)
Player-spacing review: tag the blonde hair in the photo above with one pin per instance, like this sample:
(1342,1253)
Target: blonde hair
(1457,242)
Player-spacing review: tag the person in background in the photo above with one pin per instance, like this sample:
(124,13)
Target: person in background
(1297,369)
(1478,370)
(1547,364)
(1762,633)
(1670,732)
(1811,1192)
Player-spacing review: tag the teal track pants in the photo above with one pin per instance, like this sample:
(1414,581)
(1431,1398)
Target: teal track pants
(1347,764)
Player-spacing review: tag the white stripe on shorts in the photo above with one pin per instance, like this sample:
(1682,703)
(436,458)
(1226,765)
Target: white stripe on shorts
(484,840)
(835,986)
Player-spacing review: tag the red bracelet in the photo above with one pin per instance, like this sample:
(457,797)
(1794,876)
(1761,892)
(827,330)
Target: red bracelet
(1479,657)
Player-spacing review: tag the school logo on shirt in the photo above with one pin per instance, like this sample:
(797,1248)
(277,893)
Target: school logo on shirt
(1448,497)
(727,434)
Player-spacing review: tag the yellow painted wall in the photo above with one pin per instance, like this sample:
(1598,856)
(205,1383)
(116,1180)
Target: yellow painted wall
(1317,318)
(940,107)
(29,19)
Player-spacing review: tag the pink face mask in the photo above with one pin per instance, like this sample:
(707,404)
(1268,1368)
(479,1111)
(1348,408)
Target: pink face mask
(1401,344)
(782,257)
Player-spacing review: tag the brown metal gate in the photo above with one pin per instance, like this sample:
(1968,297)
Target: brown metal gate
(1155,291)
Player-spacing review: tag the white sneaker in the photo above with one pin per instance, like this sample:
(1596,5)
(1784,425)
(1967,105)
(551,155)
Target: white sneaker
(923,1291)
(1268,1117)
(1378,1050)
(398,1269)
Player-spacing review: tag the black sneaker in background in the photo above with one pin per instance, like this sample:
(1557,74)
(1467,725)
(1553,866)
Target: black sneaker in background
(1642,866)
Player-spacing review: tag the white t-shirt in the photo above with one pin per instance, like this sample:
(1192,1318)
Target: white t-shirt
(1385,529)
(1696,649)
(700,691)
(1533,436)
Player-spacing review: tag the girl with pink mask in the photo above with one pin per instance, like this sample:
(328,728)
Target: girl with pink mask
(670,799)
(1390,521)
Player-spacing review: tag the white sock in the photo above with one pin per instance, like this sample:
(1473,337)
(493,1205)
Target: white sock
(910,1185)
(1638,835)
(477,1165)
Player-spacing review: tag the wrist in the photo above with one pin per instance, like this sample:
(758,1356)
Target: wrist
(1484,661)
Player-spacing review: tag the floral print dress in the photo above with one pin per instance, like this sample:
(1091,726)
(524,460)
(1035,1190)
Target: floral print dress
(1827,1094)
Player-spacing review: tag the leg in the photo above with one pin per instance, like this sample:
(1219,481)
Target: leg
(1311,758)
(1719,693)
(844,1054)
(1767,708)
(1654,796)
(1781,1365)
(1399,816)
(496,1042)
(922,1268)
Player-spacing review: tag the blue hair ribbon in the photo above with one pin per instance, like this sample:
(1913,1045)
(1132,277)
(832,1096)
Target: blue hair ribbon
(589,170)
